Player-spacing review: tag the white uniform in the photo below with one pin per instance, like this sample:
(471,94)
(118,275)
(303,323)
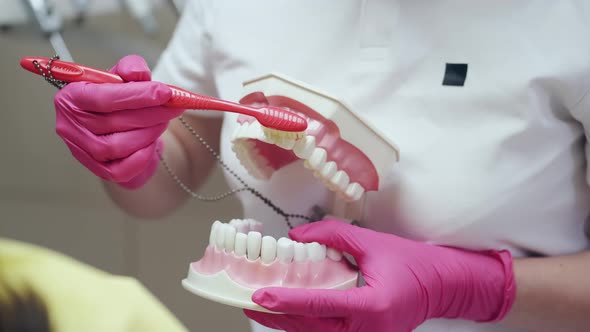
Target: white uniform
(499,162)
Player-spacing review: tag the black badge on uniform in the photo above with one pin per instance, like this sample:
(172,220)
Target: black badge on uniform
(455,74)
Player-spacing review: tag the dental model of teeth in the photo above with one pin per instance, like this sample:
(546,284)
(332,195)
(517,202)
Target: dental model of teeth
(339,147)
(239,260)
(249,139)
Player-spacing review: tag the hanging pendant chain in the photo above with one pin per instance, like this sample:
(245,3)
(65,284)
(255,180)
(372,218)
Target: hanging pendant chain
(245,186)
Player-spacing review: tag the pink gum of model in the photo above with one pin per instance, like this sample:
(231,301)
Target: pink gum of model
(256,274)
(239,260)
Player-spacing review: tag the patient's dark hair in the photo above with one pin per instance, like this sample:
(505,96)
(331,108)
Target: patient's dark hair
(23,312)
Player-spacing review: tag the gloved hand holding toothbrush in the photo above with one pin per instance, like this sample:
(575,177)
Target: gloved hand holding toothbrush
(115,129)
(407,283)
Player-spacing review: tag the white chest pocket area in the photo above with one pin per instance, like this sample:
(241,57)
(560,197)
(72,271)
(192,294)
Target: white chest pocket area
(377,23)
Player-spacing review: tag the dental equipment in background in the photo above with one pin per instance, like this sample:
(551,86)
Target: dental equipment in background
(141,11)
(81,9)
(50,23)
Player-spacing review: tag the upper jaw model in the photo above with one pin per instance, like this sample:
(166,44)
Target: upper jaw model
(239,260)
(339,147)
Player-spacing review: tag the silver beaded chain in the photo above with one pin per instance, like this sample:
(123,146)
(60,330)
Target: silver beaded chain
(47,75)
(47,72)
(245,186)
(186,188)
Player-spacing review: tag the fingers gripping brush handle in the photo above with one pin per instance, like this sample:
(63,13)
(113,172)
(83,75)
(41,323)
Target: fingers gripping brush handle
(276,122)
(88,132)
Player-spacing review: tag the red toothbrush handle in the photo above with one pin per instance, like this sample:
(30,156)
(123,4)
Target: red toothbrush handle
(190,100)
(68,71)
(74,72)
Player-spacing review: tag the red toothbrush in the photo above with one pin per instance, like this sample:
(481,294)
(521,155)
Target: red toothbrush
(276,122)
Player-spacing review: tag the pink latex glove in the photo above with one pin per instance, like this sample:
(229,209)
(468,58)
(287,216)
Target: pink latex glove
(114,129)
(407,283)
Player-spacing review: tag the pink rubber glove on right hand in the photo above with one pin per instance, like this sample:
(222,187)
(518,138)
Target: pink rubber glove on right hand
(114,129)
(407,283)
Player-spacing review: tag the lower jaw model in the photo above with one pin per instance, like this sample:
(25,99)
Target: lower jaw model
(339,147)
(239,260)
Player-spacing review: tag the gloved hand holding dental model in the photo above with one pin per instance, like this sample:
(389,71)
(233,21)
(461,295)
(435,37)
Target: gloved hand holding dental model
(114,129)
(488,103)
(407,283)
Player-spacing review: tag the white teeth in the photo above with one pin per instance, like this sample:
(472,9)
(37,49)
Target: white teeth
(299,252)
(220,236)
(315,251)
(241,145)
(213,234)
(241,226)
(317,159)
(341,180)
(355,191)
(241,131)
(237,133)
(255,131)
(245,128)
(278,141)
(230,238)
(328,170)
(241,244)
(334,254)
(304,147)
(335,180)
(268,251)
(285,250)
(249,130)
(254,243)
(286,143)
(247,154)
(323,251)
(255,226)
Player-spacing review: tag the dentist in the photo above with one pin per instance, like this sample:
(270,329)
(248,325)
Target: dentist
(479,228)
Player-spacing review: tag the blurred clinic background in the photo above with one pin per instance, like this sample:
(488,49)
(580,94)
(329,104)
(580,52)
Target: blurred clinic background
(48,199)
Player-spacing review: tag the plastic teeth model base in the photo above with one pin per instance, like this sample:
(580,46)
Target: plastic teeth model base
(339,147)
(239,260)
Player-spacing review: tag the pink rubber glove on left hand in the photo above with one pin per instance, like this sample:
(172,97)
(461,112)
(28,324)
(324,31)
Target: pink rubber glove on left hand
(407,283)
(115,129)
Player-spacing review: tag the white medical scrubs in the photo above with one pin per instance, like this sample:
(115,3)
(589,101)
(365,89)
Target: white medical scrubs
(494,159)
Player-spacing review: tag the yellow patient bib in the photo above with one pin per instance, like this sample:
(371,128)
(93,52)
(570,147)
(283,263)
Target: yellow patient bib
(79,297)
